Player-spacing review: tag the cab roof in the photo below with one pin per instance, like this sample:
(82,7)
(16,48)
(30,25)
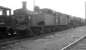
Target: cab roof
(4,8)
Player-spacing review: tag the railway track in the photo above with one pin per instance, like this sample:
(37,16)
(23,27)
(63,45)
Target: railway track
(79,44)
(20,38)
(74,37)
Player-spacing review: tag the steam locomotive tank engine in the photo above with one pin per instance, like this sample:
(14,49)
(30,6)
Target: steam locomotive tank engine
(22,18)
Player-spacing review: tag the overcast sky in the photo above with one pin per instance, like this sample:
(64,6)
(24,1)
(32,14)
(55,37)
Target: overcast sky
(70,7)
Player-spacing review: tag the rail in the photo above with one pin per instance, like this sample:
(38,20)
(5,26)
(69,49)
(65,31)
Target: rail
(73,42)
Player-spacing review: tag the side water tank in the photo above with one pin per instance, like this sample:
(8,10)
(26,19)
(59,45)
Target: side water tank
(50,19)
(37,19)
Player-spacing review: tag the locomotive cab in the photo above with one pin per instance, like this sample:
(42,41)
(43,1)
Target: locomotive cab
(5,21)
(5,11)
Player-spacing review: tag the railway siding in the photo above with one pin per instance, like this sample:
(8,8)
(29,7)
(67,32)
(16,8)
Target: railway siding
(56,41)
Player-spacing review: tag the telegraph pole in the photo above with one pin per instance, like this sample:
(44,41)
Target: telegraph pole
(85,9)
(34,1)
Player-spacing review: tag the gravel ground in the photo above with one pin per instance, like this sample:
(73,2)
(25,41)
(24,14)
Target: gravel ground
(52,42)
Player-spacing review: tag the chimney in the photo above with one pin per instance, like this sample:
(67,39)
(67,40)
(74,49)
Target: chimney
(24,5)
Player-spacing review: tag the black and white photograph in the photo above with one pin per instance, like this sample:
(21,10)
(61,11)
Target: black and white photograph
(42,24)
